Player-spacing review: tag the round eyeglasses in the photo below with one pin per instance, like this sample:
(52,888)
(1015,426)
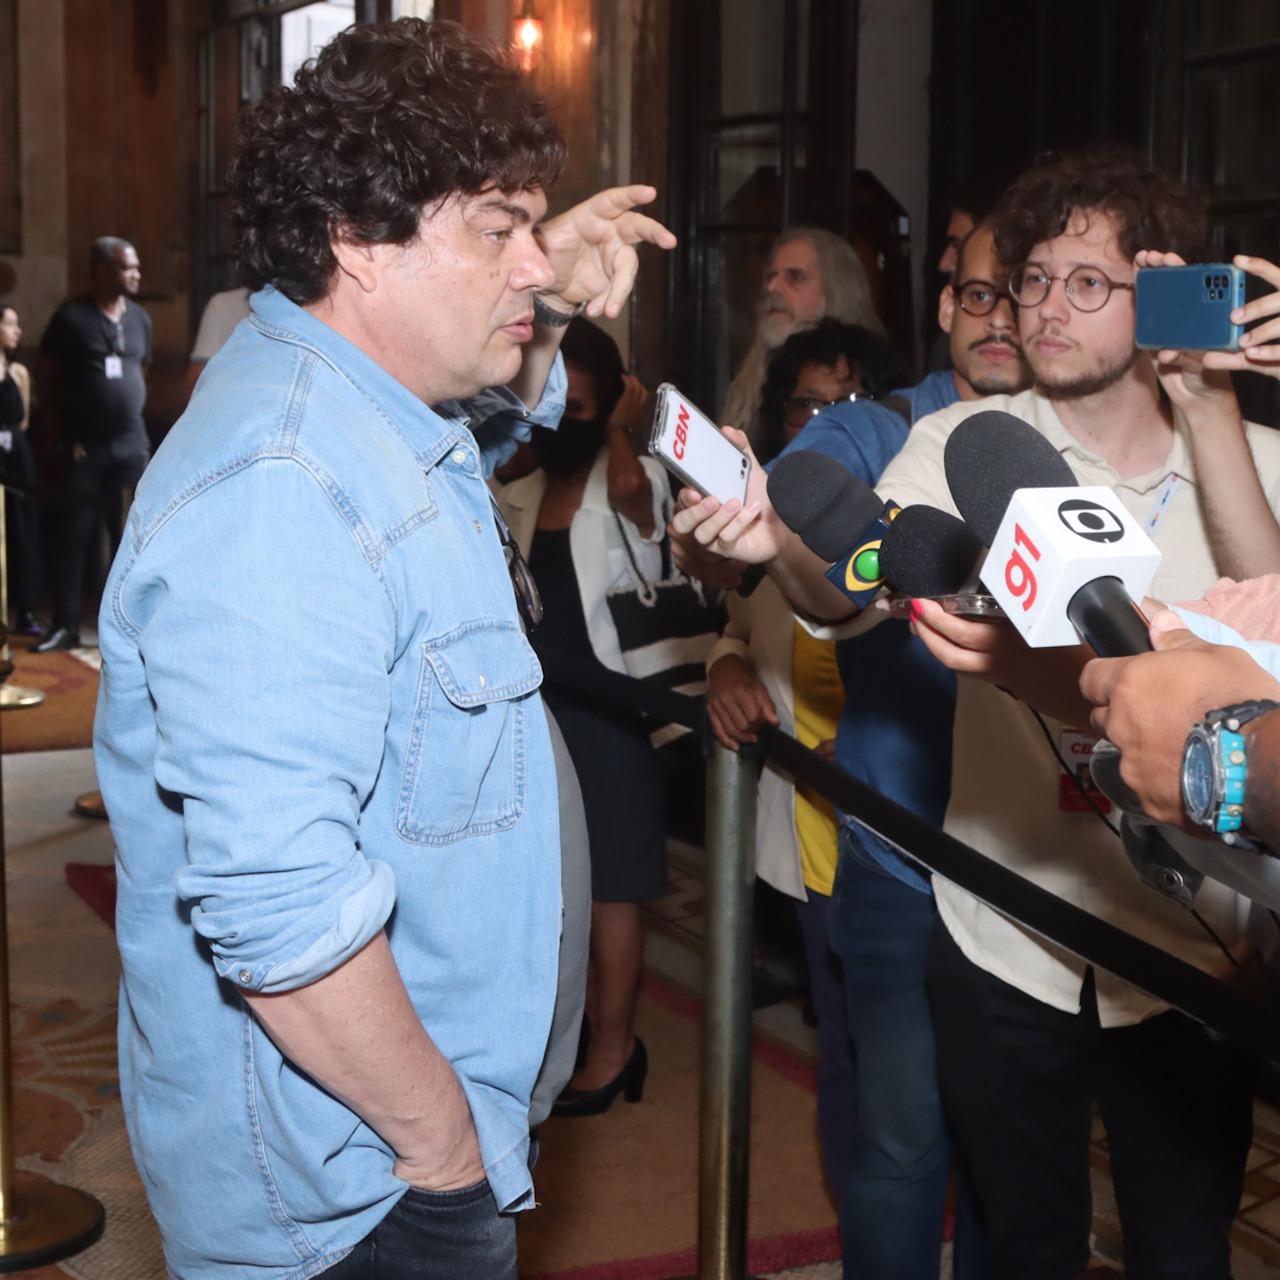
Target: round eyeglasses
(979,297)
(799,409)
(1087,288)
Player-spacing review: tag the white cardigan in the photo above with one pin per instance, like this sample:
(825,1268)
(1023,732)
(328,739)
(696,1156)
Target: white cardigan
(599,558)
(761,630)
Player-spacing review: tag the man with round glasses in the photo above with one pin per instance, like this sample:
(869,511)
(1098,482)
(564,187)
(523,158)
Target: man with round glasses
(1028,1037)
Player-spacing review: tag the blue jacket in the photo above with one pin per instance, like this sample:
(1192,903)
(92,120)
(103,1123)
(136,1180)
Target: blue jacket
(318,717)
(895,729)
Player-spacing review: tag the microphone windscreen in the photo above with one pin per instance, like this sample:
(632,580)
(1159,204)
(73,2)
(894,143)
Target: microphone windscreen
(992,455)
(823,502)
(927,552)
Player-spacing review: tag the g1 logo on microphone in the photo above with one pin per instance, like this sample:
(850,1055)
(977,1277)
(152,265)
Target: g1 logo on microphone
(1019,575)
(1090,520)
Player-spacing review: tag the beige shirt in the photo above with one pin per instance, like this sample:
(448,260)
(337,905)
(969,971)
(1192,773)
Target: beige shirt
(1004,794)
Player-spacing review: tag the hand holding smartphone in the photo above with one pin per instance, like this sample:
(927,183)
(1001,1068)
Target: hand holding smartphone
(1188,308)
(695,450)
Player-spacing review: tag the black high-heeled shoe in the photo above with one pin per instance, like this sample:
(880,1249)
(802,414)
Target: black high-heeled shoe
(591,1102)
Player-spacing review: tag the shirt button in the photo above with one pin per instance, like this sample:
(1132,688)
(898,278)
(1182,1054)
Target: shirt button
(246,975)
(459,456)
(482,682)
(479,526)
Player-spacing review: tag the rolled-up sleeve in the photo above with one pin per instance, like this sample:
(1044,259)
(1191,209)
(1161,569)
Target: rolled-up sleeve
(500,420)
(268,666)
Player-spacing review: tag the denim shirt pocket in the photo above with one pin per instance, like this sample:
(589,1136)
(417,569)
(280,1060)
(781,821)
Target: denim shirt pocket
(465,768)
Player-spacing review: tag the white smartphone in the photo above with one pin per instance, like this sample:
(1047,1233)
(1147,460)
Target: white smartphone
(695,450)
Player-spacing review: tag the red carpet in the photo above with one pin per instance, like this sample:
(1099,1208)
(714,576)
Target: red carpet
(96,884)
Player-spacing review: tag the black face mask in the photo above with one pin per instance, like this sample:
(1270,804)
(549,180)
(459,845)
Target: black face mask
(570,448)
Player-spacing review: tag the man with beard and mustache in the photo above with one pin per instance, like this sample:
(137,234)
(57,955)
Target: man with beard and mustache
(1028,1036)
(590,517)
(811,273)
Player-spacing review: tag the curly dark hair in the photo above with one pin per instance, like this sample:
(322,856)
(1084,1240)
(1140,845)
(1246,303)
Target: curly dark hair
(1150,209)
(871,356)
(387,120)
(597,355)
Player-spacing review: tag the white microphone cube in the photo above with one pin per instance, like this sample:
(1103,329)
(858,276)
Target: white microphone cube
(1053,541)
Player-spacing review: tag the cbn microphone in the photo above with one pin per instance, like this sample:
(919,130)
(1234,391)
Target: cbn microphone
(989,457)
(927,552)
(821,501)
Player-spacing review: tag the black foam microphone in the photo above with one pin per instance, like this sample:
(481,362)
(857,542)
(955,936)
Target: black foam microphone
(838,517)
(927,552)
(989,457)
(1065,561)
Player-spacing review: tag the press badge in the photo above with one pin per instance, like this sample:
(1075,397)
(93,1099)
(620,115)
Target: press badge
(113,367)
(1077,747)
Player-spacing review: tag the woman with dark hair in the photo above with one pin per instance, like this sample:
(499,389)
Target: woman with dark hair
(588,518)
(817,367)
(16,456)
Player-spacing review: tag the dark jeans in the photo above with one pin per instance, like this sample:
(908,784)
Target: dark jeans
(447,1235)
(1019,1079)
(106,478)
(837,1095)
(893,1206)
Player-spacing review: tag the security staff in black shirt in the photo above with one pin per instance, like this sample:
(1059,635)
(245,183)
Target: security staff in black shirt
(92,377)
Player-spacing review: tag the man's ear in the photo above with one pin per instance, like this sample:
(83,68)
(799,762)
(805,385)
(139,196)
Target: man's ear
(946,308)
(356,258)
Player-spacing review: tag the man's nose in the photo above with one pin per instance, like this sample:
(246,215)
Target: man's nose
(1055,303)
(1002,315)
(535,272)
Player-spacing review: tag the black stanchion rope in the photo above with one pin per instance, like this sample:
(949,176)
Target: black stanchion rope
(1247,1020)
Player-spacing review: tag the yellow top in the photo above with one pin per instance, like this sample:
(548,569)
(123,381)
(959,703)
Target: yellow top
(819,697)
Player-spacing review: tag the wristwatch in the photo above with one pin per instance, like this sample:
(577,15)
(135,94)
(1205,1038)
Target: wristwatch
(553,317)
(1214,769)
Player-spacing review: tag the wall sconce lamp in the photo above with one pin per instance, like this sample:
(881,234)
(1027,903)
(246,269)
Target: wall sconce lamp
(528,37)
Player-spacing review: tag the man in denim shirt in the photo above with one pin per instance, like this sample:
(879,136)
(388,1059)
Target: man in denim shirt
(319,734)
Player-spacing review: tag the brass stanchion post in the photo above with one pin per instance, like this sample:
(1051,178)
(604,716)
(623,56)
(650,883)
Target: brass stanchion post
(40,1222)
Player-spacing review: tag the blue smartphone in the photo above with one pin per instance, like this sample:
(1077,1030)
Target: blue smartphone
(1189,308)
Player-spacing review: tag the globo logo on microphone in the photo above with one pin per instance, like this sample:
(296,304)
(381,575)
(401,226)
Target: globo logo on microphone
(1091,520)
(1053,541)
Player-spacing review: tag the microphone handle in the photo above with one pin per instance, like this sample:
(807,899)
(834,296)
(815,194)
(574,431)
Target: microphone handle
(1108,620)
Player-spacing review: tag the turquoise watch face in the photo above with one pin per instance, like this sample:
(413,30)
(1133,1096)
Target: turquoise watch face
(1199,777)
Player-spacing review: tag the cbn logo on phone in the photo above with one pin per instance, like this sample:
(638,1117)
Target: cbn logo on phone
(695,450)
(682,431)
